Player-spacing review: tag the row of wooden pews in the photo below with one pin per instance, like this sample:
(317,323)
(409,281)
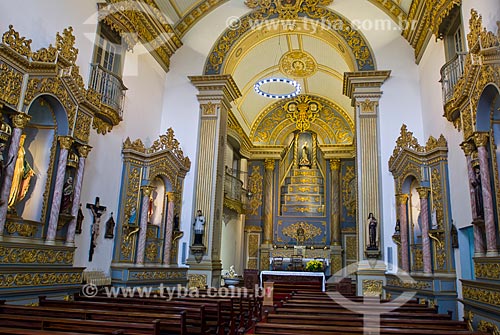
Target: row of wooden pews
(318,314)
(204,314)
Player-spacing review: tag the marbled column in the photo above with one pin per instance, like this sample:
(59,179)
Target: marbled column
(479,246)
(169,228)
(83,153)
(481,141)
(314,155)
(423,192)
(268,198)
(335,174)
(19,121)
(143,225)
(65,143)
(401,200)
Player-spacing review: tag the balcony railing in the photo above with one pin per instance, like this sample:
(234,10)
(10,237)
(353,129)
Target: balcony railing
(233,186)
(110,86)
(450,74)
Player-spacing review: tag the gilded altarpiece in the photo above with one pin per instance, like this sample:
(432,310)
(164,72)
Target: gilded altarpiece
(473,110)
(137,260)
(425,166)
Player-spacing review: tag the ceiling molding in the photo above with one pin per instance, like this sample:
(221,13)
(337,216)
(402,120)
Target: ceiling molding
(392,9)
(142,21)
(196,14)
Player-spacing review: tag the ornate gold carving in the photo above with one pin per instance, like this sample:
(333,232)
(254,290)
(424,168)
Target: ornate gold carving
(21,229)
(156,275)
(303,111)
(469,318)
(310,231)
(26,255)
(39,279)
(372,288)
(169,142)
(423,192)
(147,190)
(468,148)
(487,270)
(481,139)
(298,64)
(286,9)
(10,85)
(84,150)
(82,127)
(197,281)
(65,44)
(437,196)
(209,109)
(65,142)
(483,295)
(368,106)
(335,164)
(488,327)
(20,120)
(144,21)
(401,199)
(19,44)
(255,186)
(152,252)
(101,126)
(349,191)
(269,164)
(191,18)
(418,260)
(351,247)
(418,285)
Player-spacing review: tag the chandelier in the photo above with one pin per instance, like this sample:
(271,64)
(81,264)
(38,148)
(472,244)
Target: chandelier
(293,83)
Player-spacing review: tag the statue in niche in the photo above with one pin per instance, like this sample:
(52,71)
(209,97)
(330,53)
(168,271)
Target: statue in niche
(21,178)
(199,228)
(67,198)
(304,158)
(301,235)
(79,220)
(372,232)
(478,193)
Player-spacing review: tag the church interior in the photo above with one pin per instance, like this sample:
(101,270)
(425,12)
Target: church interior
(227,143)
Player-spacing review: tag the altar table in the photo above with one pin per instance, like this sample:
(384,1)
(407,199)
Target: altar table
(298,276)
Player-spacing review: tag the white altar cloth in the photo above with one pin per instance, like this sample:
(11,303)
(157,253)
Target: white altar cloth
(295,273)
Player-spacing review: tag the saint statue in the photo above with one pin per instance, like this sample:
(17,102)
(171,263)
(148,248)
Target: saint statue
(304,159)
(301,236)
(67,198)
(199,228)
(21,178)
(478,193)
(372,232)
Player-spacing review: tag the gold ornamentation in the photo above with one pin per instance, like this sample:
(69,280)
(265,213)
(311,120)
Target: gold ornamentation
(82,127)
(39,279)
(413,284)
(469,318)
(437,196)
(351,246)
(488,270)
(423,192)
(195,14)
(255,186)
(19,44)
(286,9)
(481,139)
(169,142)
(483,295)
(10,85)
(152,252)
(368,106)
(13,255)
(209,109)
(372,288)
(101,126)
(197,281)
(269,164)
(335,164)
(20,120)
(21,229)
(84,150)
(65,44)
(144,21)
(310,231)
(298,64)
(303,111)
(349,191)
(156,275)
(488,327)
(65,142)
(418,260)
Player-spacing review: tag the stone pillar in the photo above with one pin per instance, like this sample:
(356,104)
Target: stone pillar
(268,201)
(215,96)
(169,228)
(19,121)
(364,89)
(143,224)
(479,247)
(481,141)
(401,200)
(244,172)
(83,153)
(65,143)
(423,192)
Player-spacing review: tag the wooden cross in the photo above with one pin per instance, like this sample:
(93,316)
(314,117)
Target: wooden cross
(96,210)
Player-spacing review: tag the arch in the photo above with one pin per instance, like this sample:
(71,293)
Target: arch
(487,107)
(329,20)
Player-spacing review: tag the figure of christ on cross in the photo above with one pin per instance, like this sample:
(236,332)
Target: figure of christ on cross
(97,212)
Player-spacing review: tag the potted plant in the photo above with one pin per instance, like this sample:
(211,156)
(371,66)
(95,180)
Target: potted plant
(314,266)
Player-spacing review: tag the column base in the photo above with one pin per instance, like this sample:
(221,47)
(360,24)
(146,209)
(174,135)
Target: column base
(491,253)
(50,242)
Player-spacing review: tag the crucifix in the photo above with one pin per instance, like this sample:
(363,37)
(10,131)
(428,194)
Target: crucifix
(97,212)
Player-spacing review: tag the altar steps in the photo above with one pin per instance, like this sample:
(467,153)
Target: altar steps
(302,194)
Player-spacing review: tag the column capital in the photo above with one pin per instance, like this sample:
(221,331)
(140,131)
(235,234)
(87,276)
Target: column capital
(468,147)
(84,150)
(423,192)
(65,141)
(269,164)
(335,164)
(481,139)
(147,190)
(216,86)
(401,199)
(363,85)
(20,120)
(170,196)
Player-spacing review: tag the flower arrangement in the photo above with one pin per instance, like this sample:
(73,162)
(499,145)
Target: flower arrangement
(314,266)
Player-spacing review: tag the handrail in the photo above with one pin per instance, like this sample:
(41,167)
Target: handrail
(451,72)
(109,85)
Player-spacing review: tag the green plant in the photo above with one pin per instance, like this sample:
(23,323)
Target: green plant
(314,266)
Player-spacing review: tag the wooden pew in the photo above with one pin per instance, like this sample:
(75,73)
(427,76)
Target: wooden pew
(18,331)
(78,325)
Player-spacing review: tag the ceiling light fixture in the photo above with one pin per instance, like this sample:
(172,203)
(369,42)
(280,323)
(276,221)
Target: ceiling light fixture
(293,83)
